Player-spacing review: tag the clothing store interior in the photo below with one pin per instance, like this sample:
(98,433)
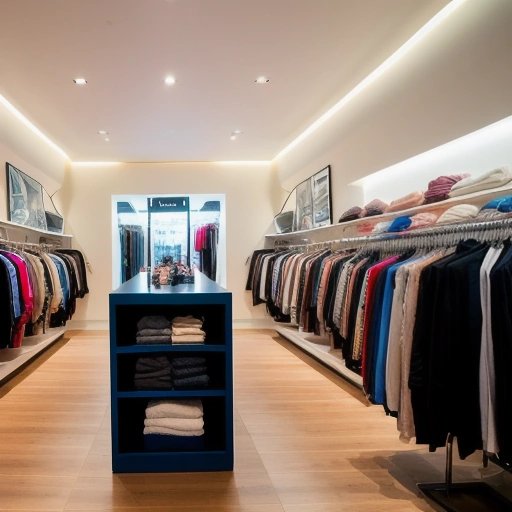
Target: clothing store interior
(255,256)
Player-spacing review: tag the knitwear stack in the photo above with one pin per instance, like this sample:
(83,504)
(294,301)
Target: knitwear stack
(491,179)
(439,189)
(187,329)
(421,220)
(190,373)
(409,201)
(458,213)
(174,424)
(375,207)
(353,213)
(153,329)
(152,372)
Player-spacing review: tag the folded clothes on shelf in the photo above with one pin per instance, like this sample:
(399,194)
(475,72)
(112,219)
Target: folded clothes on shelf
(491,179)
(174,409)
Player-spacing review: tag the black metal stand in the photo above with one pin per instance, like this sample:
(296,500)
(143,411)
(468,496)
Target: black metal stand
(464,496)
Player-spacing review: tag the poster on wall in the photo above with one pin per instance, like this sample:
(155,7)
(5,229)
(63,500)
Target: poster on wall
(25,196)
(313,201)
(321,190)
(304,206)
(29,203)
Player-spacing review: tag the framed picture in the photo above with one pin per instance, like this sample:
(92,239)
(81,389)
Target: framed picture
(29,203)
(304,206)
(321,191)
(313,201)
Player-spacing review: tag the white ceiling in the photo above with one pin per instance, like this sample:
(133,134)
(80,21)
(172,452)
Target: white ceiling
(313,51)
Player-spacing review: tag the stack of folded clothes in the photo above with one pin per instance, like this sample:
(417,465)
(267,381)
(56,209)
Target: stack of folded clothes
(174,425)
(375,207)
(409,201)
(153,329)
(189,373)
(439,188)
(491,179)
(351,214)
(187,329)
(458,213)
(152,372)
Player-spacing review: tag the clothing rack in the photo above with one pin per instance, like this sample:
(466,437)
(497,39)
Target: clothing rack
(429,237)
(452,497)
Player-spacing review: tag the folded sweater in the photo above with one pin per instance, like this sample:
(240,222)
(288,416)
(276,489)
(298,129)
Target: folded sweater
(152,339)
(154,332)
(187,321)
(179,331)
(188,338)
(174,409)
(439,188)
(197,381)
(153,322)
(458,213)
(172,431)
(181,362)
(188,371)
(151,363)
(183,424)
(491,179)
(409,201)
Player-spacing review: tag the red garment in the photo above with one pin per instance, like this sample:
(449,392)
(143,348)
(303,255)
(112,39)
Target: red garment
(369,301)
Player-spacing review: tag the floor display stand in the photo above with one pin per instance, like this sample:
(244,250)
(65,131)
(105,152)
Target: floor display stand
(203,299)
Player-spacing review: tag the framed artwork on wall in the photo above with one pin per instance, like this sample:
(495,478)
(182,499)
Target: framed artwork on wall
(321,191)
(29,204)
(308,205)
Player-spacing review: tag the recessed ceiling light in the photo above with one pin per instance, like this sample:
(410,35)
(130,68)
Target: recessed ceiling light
(102,132)
(262,80)
(236,132)
(80,81)
(169,80)
(233,137)
(107,139)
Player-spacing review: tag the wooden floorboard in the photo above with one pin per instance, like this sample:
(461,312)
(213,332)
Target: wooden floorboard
(305,441)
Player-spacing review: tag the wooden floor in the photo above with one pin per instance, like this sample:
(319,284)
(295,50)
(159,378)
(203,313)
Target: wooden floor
(306,441)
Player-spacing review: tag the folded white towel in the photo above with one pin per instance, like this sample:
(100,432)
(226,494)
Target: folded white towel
(185,424)
(172,432)
(490,179)
(174,409)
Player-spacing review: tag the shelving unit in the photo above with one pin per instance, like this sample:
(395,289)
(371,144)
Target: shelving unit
(12,360)
(128,304)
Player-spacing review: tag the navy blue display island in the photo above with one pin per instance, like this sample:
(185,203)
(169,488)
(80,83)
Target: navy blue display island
(204,299)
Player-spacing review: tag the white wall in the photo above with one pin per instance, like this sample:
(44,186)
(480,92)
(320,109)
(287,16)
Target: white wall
(22,148)
(455,81)
(252,196)
(476,153)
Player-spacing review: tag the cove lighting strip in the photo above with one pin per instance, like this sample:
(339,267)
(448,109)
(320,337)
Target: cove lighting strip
(376,73)
(16,113)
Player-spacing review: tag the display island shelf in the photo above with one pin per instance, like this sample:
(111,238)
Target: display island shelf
(204,299)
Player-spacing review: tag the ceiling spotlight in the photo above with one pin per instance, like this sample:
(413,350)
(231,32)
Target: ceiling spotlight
(107,139)
(233,137)
(102,132)
(169,80)
(236,132)
(262,80)
(80,81)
